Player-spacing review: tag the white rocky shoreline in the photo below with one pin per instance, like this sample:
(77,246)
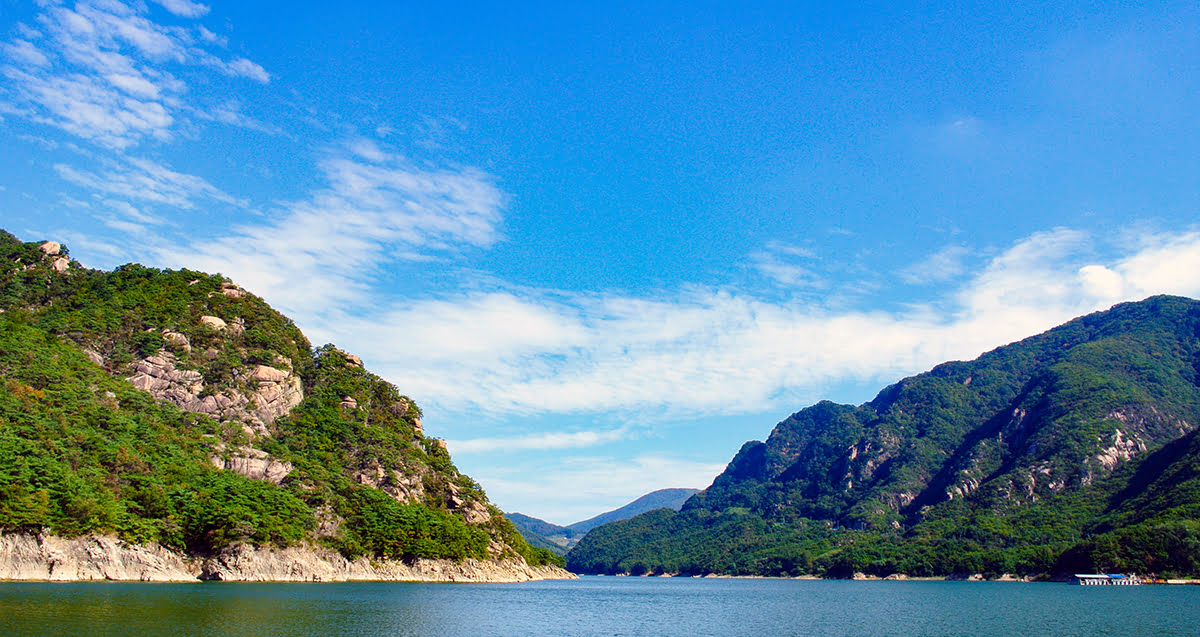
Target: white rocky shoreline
(46,557)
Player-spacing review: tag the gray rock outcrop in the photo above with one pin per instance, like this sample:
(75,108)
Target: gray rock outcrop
(48,557)
(255,464)
(306,564)
(268,392)
(215,322)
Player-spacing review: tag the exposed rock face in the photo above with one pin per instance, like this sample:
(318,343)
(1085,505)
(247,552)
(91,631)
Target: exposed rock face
(215,322)
(46,557)
(353,360)
(303,564)
(253,463)
(348,403)
(61,264)
(157,375)
(1121,449)
(471,511)
(274,392)
(50,248)
(233,291)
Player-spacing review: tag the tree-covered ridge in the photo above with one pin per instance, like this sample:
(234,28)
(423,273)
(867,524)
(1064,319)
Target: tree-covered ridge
(1071,448)
(338,457)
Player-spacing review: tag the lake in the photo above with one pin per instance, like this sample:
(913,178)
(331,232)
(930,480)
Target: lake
(598,606)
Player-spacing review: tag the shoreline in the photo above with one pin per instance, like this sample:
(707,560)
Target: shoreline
(49,558)
(858,577)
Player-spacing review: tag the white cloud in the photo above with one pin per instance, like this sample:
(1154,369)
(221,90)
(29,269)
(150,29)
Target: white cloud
(541,441)
(941,266)
(144,180)
(210,37)
(25,53)
(325,251)
(90,108)
(706,351)
(245,68)
(781,263)
(102,71)
(184,8)
(1163,263)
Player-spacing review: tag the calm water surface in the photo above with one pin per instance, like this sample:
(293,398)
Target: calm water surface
(598,606)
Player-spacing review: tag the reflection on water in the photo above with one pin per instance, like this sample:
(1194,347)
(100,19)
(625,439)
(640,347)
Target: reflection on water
(597,606)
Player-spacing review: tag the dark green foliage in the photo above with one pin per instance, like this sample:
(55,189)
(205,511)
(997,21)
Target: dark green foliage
(381,526)
(82,451)
(1068,449)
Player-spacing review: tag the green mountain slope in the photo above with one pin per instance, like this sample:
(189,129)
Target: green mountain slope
(175,407)
(1030,459)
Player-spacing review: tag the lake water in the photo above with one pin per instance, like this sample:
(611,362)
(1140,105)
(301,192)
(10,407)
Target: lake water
(598,606)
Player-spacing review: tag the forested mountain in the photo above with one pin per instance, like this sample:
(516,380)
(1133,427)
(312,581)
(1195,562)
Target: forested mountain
(559,539)
(175,407)
(1071,450)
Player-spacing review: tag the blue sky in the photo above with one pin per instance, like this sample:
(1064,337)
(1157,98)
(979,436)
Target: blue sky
(602,246)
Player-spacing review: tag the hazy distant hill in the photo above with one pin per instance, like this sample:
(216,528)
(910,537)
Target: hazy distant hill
(1071,450)
(661,499)
(560,539)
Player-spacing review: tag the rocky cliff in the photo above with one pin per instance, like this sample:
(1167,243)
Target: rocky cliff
(51,558)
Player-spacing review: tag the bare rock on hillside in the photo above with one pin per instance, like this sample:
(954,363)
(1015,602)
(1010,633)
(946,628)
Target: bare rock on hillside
(265,393)
(255,464)
(215,322)
(50,248)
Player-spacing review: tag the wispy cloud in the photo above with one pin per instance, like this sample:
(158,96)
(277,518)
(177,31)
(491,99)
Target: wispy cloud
(941,266)
(100,70)
(327,250)
(786,264)
(542,441)
(707,351)
(144,180)
(184,8)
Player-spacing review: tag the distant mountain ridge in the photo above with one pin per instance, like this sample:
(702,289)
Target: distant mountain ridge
(560,539)
(1072,449)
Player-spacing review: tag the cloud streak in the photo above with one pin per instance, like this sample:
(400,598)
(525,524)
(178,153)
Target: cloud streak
(99,70)
(715,351)
(327,250)
(540,442)
(147,181)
